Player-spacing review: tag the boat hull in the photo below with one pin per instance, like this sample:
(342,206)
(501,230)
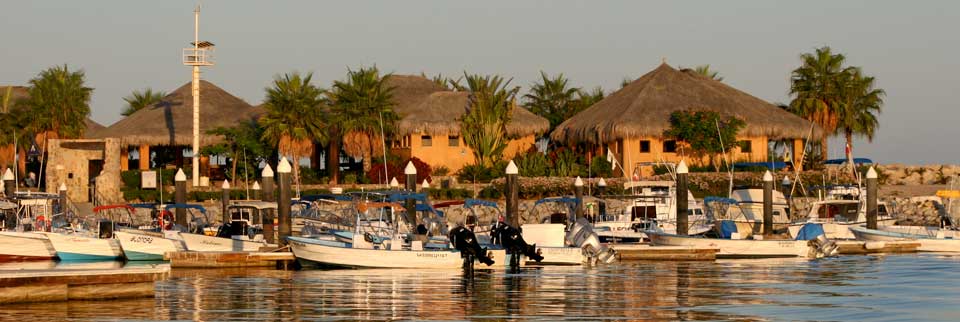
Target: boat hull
(18,247)
(838,230)
(333,253)
(203,243)
(927,243)
(737,248)
(560,256)
(79,248)
(143,247)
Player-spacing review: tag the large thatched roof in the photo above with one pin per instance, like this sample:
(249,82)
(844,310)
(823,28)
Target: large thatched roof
(643,108)
(22,92)
(428,108)
(170,122)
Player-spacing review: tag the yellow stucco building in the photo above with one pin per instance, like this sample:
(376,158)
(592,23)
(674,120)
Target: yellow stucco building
(631,121)
(429,127)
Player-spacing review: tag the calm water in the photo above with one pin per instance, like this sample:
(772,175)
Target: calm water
(852,288)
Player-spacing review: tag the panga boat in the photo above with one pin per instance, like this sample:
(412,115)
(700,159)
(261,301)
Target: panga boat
(931,239)
(145,246)
(195,239)
(731,247)
(73,247)
(394,252)
(25,246)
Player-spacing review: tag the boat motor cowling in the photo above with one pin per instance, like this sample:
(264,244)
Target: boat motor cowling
(511,240)
(465,241)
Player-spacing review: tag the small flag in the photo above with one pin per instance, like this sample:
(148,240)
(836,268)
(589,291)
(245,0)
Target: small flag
(612,159)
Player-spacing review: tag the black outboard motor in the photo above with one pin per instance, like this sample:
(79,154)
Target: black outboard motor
(511,240)
(226,230)
(466,242)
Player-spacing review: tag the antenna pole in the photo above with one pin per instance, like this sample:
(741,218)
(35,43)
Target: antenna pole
(196,99)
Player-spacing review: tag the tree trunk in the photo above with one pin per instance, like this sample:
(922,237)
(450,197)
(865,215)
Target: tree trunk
(823,149)
(333,159)
(853,168)
(233,171)
(367,162)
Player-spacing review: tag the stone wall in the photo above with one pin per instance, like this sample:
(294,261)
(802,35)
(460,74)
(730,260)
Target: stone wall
(68,162)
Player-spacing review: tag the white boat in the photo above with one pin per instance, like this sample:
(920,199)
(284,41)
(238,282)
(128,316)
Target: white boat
(74,247)
(25,246)
(653,206)
(931,239)
(204,243)
(143,246)
(747,248)
(745,208)
(333,253)
(550,240)
(839,215)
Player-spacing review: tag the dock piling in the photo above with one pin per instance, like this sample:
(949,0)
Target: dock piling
(683,211)
(256,190)
(767,203)
(283,201)
(872,198)
(268,195)
(225,201)
(9,183)
(512,194)
(180,197)
(578,193)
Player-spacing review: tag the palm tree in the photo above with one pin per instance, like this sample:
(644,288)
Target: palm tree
(552,99)
(363,109)
(59,103)
(138,100)
(705,71)
(861,102)
(815,86)
(484,126)
(294,117)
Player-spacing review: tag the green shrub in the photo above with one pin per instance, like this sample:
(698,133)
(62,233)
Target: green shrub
(441,171)
(350,178)
(533,164)
(600,167)
(566,163)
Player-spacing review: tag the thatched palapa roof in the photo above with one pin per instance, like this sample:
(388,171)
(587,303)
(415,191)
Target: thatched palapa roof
(643,108)
(428,108)
(170,122)
(22,92)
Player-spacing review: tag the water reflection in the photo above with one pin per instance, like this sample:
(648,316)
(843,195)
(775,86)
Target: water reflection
(846,288)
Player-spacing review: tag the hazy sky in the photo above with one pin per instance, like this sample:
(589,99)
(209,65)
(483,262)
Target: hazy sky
(910,46)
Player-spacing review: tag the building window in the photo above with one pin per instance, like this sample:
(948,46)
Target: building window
(644,146)
(454,140)
(670,146)
(426,140)
(746,146)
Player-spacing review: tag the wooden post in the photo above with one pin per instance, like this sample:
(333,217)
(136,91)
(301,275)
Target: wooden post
(124,158)
(267,195)
(411,185)
(180,196)
(767,203)
(256,191)
(682,202)
(513,195)
(145,157)
(602,207)
(283,201)
(63,198)
(785,185)
(9,183)
(601,188)
(225,201)
(872,187)
(578,194)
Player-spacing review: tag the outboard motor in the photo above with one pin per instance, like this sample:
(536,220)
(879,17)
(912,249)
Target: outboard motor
(819,245)
(582,235)
(465,241)
(225,230)
(513,242)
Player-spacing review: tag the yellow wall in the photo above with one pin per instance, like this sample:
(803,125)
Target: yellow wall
(440,153)
(629,155)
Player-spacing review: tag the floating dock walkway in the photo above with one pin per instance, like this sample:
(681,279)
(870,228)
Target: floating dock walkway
(663,253)
(79,284)
(188,259)
(856,247)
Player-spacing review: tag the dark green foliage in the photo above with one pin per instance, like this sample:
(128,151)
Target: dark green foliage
(449,194)
(556,101)
(140,99)
(59,101)
(476,173)
(484,125)
(566,163)
(700,129)
(600,167)
(533,164)
(240,143)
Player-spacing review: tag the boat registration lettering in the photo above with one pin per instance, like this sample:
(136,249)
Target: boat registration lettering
(142,239)
(432,255)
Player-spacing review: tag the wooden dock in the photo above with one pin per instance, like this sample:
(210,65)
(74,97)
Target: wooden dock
(188,259)
(854,247)
(663,253)
(80,284)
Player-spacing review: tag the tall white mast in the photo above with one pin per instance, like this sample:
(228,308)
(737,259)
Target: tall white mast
(196,101)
